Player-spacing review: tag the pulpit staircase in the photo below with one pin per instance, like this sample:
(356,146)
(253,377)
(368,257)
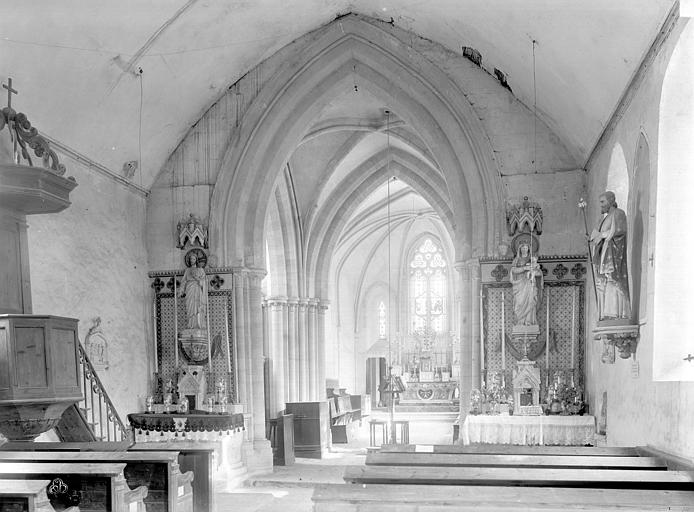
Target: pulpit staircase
(94,418)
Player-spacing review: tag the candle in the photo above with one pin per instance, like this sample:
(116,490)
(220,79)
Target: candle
(503,337)
(573,326)
(547,333)
(481,337)
(226,332)
(175,323)
(209,337)
(154,326)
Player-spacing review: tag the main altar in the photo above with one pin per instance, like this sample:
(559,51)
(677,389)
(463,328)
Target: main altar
(429,372)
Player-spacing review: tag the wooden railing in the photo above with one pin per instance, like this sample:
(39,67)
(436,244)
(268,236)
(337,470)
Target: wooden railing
(96,407)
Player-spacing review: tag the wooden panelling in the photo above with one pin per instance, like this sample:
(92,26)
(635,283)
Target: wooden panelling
(65,372)
(30,357)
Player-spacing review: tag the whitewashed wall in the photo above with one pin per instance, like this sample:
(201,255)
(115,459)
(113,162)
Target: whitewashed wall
(640,411)
(89,261)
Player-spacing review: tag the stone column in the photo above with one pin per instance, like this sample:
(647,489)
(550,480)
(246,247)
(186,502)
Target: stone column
(320,349)
(465,382)
(304,373)
(262,450)
(312,359)
(292,349)
(278,395)
(475,277)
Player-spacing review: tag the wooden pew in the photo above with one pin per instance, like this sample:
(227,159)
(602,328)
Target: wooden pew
(117,496)
(29,495)
(530,477)
(195,456)
(483,460)
(158,471)
(505,449)
(96,446)
(434,498)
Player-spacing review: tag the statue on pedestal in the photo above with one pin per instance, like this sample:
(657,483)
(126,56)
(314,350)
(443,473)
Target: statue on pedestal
(526,278)
(609,246)
(194,288)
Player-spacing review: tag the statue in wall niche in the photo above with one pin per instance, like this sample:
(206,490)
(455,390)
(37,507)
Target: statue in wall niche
(609,247)
(194,288)
(527,280)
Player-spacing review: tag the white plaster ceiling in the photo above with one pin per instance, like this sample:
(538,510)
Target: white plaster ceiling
(76,63)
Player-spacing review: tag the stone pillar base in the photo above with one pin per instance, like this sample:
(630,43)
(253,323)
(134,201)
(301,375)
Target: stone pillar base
(257,455)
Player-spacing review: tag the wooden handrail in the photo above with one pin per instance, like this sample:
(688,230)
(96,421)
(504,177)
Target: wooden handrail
(105,405)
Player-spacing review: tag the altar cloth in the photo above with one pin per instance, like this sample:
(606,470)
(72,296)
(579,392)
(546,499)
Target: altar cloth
(529,430)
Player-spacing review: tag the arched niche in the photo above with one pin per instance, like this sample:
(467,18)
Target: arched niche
(618,176)
(638,214)
(673,299)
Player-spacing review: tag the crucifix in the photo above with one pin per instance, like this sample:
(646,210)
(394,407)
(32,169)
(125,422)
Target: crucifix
(10,91)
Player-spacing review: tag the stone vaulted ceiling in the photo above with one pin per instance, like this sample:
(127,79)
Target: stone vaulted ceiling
(121,80)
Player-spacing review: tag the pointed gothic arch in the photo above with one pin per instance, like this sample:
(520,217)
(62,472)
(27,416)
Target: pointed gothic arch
(282,112)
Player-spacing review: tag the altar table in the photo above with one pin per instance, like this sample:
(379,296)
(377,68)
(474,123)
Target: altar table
(529,430)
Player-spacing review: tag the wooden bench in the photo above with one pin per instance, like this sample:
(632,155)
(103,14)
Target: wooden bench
(198,457)
(96,446)
(107,477)
(596,451)
(29,495)
(432,498)
(159,471)
(493,460)
(530,477)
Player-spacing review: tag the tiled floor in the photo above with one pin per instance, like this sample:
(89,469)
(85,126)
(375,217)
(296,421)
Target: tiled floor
(289,488)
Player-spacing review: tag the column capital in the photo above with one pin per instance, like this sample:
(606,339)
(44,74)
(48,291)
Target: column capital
(276,301)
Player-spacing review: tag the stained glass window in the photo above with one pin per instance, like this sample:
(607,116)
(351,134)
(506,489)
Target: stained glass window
(382,320)
(428,288)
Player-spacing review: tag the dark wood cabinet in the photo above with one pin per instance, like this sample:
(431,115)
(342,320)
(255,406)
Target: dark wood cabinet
(311,428)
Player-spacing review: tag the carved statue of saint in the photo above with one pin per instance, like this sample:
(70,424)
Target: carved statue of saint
(194,287)
(609,246)
(526,278)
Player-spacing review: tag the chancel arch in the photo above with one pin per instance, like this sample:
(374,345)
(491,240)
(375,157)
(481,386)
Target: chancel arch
(283,111)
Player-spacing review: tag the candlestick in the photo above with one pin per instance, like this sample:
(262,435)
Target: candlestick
(209,334)
(226,332)
(547,333)
(503,336)
(573,326)
(154,326)
(175,323)
(481,338)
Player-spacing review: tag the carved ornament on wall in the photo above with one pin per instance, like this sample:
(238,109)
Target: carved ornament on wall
(96,345)
(623,337)
(192,232)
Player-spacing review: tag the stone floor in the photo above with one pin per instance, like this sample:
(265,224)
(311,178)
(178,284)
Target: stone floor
(289,488)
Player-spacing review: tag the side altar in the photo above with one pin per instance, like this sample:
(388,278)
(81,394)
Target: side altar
(532,316)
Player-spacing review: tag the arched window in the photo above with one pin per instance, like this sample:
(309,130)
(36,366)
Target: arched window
(428,309)
(381,320)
